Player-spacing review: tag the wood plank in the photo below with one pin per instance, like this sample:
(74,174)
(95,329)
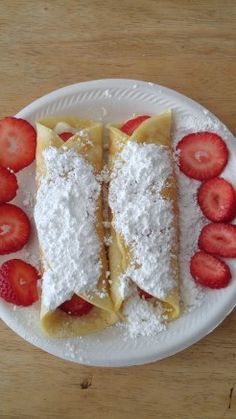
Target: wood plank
(187,46)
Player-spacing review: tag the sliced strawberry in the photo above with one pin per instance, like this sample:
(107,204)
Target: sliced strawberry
(66,135)
(130,126)
(202,155)
(219,239)
(143,294)
(76,306)
(17,143)
(217,200)
(18,282)
(14,228)
(8,185)
(209,271)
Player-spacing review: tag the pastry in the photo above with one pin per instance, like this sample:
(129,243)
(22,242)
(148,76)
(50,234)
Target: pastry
(68,217)
(143,203)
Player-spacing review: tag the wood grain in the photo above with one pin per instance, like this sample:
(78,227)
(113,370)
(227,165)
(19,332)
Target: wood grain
(188,46)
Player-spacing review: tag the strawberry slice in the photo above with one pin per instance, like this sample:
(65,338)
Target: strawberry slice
(17,143)
(219,239)
(143,294)
(209,271)
(66,135)
(76,306)
(14,228)
(130,126)
(18,282)
(217,200)
(8,185)
(202,155)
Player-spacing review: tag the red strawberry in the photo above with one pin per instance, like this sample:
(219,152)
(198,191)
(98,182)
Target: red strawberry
(217,199)
(17,143)
(209,271)
(76,306)
(66,135)
(143,294)
(8,185)
(14,228)
(130,126)
(18,282)
(203,155)
(219,239)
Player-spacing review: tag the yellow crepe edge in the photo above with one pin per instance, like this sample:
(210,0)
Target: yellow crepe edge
(155,128)
(56,323)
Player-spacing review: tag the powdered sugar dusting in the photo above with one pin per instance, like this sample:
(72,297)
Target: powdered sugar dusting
(104,175)
(142,216)
(191,222)
(143,318)
(29,201)
(65,219)
(31,258)
(192,123)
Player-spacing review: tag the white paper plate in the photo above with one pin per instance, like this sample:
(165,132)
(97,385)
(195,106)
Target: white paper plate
(116,100)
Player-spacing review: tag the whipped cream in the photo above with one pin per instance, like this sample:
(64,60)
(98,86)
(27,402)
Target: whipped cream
(65,216)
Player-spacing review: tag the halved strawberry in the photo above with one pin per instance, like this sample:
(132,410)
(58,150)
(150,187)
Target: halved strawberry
(76,306)
(66,135)
(130,126)
(219,239)
(17,143)
(8,185)
(18,282)
(217,200)
(143,294)
(202,155)
(14,228)
(209,271)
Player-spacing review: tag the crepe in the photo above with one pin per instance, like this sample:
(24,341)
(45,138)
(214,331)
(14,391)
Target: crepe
(155,130)
(58,323)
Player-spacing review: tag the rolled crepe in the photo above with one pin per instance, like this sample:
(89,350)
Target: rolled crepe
(56,322)
(155,130)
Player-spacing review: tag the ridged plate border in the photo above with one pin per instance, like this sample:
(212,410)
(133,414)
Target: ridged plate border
(115,100)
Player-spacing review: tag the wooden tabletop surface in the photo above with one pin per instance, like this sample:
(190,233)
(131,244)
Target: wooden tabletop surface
(186,45)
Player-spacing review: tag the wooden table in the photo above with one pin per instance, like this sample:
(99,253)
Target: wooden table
(186,45)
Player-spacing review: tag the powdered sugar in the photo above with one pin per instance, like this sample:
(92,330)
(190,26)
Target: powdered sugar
(31,258)
(29,201)
(107,93)
(192,123)
(126,287)
(104,175)
(142,216)
(143,318)
(65,219)
(191,222)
